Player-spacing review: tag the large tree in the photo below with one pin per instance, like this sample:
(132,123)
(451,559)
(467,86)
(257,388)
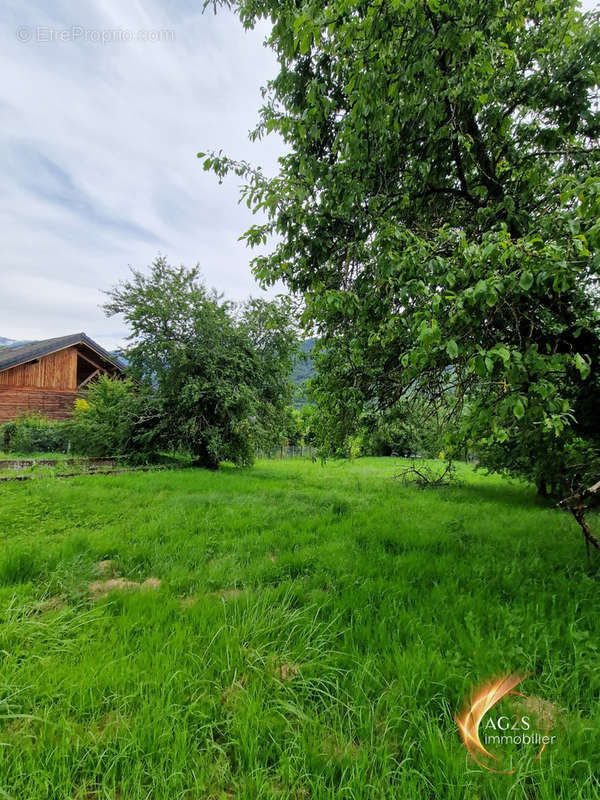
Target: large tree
(216,375)
(437,208)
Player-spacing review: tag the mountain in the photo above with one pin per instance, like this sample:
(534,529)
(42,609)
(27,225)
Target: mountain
(12,342)
(303,370)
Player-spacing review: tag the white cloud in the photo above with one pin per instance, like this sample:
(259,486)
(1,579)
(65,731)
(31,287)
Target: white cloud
(100,142)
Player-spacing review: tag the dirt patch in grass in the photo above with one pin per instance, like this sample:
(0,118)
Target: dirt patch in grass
(106,566)
(109,725)
(339,749)
(286,671)
(19,725)
(232,693)
(102,588)
(547,713)
(222,594)
(96,794)
(228,594)
(48,604)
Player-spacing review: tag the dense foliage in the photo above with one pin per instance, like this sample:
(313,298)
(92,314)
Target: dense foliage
(107,421)
(299,426)
(110,421)
(215,375)
(33,433)
(411,428)
(437,211)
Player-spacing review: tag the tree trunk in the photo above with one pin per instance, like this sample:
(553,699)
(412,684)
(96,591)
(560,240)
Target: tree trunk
(205,460)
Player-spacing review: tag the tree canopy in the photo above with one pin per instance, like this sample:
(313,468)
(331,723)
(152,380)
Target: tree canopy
(437,209)
(216,375)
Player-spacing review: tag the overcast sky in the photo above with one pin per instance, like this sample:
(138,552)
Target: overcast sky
(99,142)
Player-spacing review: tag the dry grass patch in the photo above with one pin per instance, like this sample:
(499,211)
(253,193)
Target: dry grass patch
(106,567)
(340,749)
(85,793)
(102,588)
(543,710)
(222,594)
(232,693)
(229,594)
(286,671)
(109,725)
(54,603)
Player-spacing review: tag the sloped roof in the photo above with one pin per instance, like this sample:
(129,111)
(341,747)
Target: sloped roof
(22,353)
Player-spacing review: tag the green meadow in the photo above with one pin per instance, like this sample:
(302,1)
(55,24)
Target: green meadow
(294,630)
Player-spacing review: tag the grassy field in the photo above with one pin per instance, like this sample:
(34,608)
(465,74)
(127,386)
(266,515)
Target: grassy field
(289,631)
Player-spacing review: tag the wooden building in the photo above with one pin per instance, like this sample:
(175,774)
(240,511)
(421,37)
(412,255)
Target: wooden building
(45,377)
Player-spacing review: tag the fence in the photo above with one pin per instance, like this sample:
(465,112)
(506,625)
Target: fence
(288,452)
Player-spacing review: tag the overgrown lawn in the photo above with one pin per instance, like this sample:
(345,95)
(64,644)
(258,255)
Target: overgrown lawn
(290,631)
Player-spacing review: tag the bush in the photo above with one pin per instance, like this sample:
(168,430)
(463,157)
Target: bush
(411,428)
(110,420)
(33,433)
(557,465)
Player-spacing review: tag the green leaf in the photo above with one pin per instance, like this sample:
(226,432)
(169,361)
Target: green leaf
(306,42)
(582,365)
(519,409)
(452,349)
(504,354)
(526,281)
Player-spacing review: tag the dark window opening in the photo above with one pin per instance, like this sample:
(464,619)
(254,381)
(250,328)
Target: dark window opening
(85,371)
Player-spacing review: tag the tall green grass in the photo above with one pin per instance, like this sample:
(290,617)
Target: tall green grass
(314,633)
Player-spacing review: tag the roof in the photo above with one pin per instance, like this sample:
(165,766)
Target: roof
(22,353)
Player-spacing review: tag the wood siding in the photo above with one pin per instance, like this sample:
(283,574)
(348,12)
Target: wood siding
(50,403)
(54,371)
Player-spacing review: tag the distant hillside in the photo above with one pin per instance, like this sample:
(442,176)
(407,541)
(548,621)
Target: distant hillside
(12,342)
(303,370)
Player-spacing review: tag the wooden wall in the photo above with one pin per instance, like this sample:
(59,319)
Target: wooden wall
(50,403)
(55,371)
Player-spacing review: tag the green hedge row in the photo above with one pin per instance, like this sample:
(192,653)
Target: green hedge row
(35,434)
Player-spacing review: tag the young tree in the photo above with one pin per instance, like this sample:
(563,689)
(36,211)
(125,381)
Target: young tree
(218,374)
(437,208)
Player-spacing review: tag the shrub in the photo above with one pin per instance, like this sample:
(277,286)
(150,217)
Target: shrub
(412,427)
(33,433)
(110,421)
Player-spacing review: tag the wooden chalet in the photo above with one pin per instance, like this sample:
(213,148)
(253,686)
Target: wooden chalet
(45,377)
